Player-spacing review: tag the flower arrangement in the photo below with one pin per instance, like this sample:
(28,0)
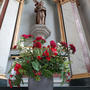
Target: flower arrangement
(40,60)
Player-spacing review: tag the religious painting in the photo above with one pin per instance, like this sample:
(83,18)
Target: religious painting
(3,7)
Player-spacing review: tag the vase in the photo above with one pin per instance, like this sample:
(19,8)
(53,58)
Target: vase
(43,84)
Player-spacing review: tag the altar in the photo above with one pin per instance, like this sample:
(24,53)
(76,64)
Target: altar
(63,23)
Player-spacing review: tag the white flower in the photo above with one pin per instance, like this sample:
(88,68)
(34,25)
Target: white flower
(13,72)
(58,44)
(22,44)
(31,49)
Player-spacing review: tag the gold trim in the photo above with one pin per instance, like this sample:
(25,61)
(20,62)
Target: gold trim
(3,76)
(64,1)
(18,0)
(63,38)
(15,38)
(78,76)
(13,57)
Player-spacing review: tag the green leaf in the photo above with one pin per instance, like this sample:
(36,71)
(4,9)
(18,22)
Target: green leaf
(36,65)
(12,67)
(21,71)
(47,73)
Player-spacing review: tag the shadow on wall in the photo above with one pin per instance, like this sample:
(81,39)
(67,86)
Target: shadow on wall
(84,11)
(56,19)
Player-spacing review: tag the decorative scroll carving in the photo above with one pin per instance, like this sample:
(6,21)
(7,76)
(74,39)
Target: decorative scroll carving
(40,30)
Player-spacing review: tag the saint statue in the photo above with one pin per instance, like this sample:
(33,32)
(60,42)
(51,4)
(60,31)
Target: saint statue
(40,11)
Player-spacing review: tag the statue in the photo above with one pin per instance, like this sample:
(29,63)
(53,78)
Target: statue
(40,29)
(40,11)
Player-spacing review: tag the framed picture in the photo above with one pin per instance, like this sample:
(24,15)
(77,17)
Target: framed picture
(3,7)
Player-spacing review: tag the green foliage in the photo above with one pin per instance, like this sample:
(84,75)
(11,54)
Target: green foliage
(40,60)
(47,73)
(36,65)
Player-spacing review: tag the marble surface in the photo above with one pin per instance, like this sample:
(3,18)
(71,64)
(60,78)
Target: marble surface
(6,33)
(78,63)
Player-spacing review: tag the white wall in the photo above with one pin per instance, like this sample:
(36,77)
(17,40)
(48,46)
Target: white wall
(6,33)
(27,21)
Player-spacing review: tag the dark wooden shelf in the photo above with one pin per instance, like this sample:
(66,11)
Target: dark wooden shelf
(55,88)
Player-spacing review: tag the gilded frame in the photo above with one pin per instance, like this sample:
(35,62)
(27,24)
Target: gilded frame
(2,14)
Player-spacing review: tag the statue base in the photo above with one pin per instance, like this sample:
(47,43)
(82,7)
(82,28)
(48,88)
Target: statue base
(40,30)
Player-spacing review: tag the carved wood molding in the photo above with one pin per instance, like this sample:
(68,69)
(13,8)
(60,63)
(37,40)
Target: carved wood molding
(65,1)
(61,22)
(20,0)
(3,12)
(3,76)
(78,76)
(15,37)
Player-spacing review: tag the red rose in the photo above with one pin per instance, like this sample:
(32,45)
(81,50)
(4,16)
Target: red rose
(39,38)
(25,36)
(53,44)
(54,50)
(39,58)
(46,53)
(10,83)
(11,76)
(44,40)
(34,41)
(38,73)
(68,73)
(68,80)
(64,44)
(17,67)
(30,35)
(15,47)
(48,46)
(72,47)
(37,45)
(44,47)
(48,58)
(43,54)
(55,54)
(28,61)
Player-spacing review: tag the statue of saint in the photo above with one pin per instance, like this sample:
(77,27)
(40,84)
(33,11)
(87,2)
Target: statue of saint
(40,11)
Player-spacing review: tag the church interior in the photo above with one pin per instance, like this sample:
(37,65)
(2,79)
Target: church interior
(59,20)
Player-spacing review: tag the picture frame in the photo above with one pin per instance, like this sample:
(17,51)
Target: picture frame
(3,7)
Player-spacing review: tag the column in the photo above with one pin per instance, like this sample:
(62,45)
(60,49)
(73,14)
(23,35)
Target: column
(6,34)
(75,34)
